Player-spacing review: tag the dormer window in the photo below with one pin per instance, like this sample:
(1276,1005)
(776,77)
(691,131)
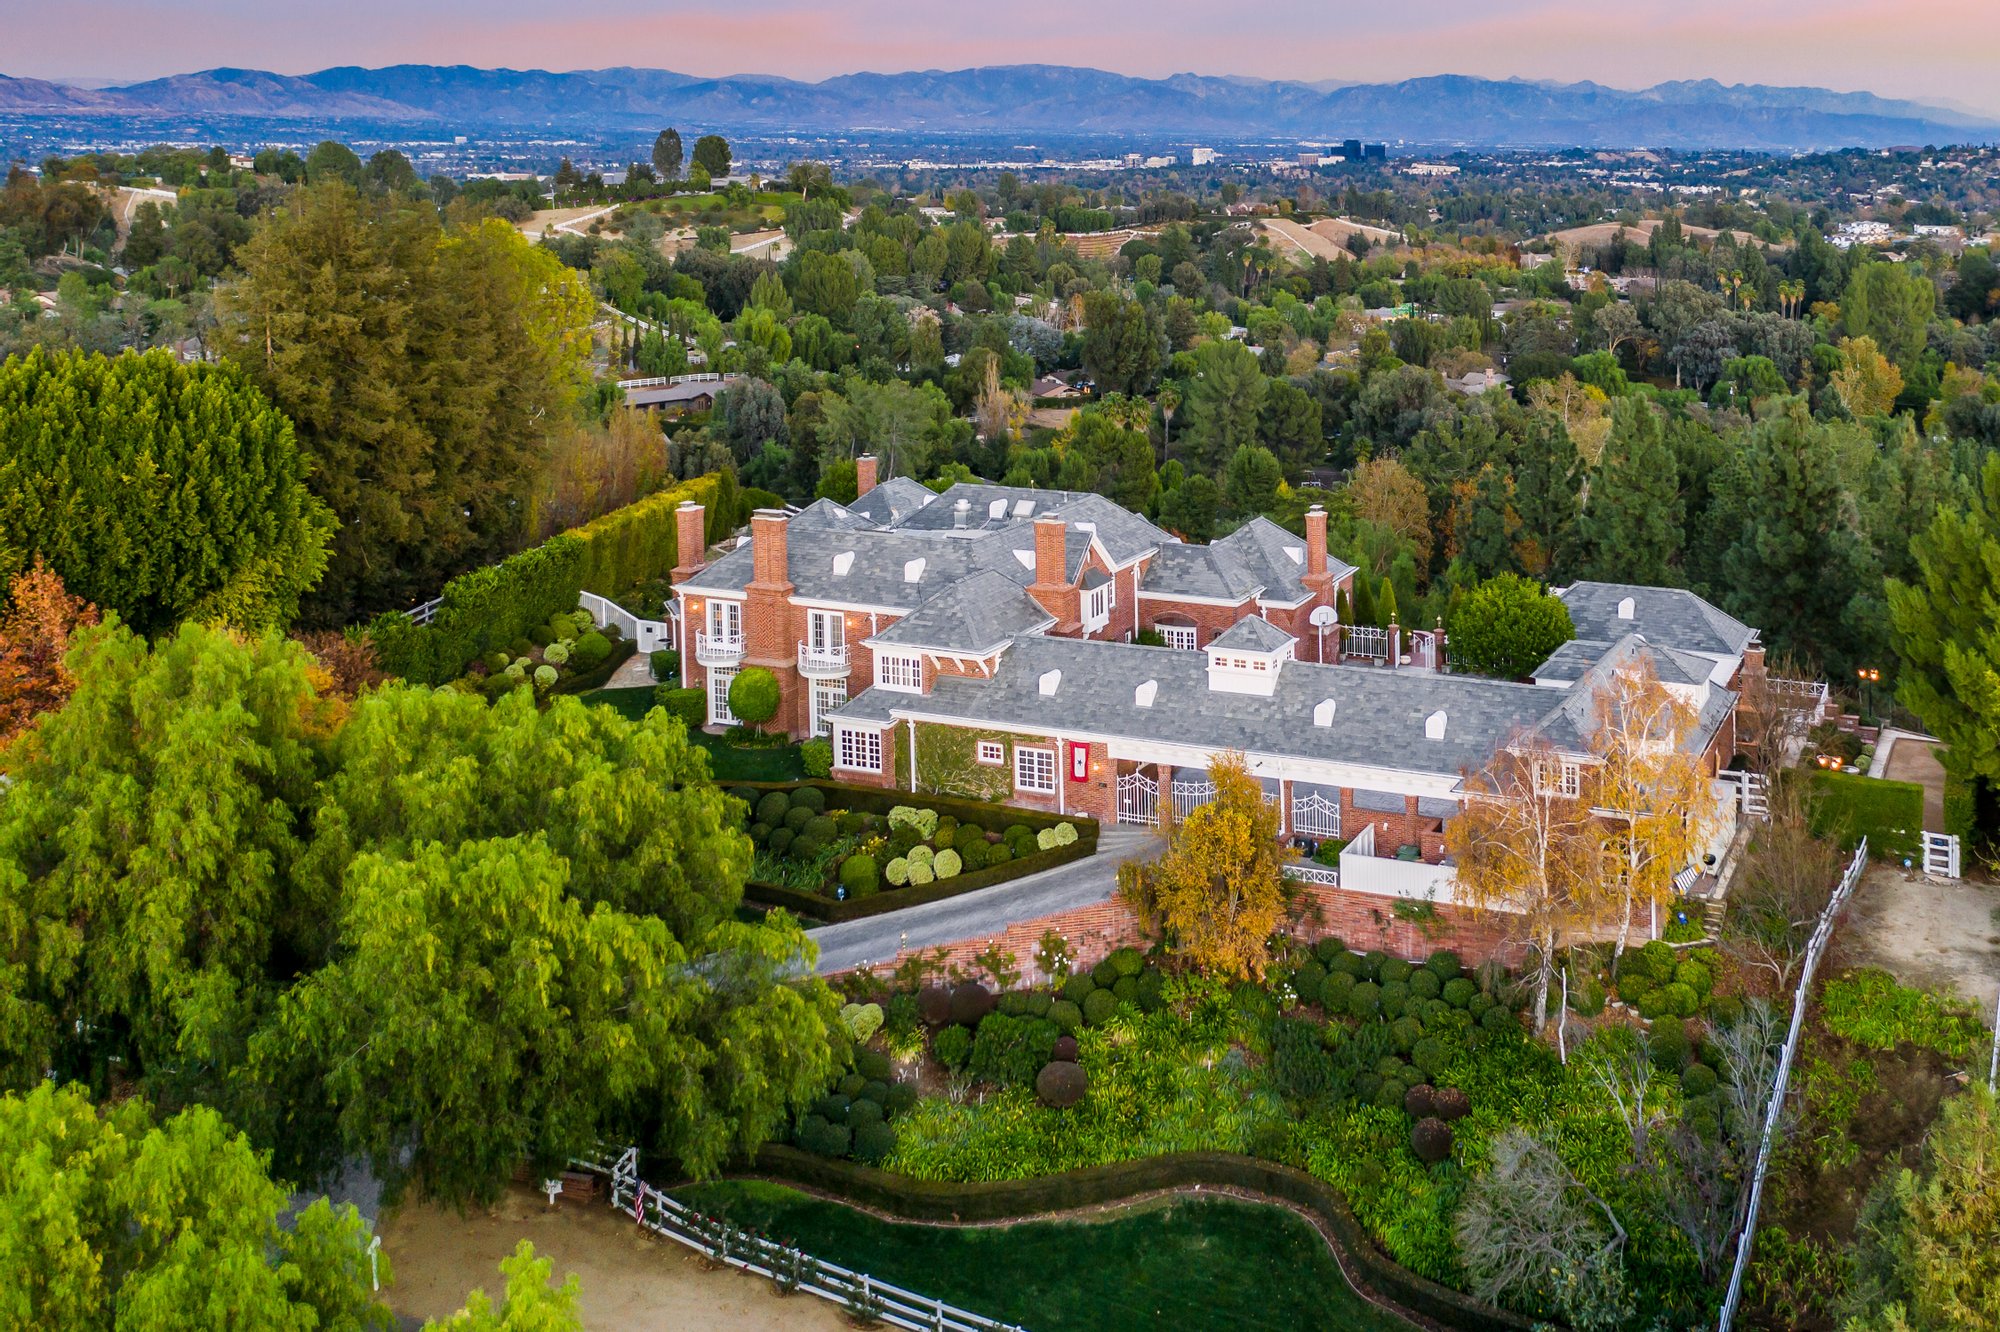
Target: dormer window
(1097,604)
(1143,696)
(1559,779)
(913,570)
(1626,608)
(843,563)
(1434,725)
(899,671)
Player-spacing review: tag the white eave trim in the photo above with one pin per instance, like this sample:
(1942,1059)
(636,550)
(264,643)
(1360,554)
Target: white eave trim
(1247,597)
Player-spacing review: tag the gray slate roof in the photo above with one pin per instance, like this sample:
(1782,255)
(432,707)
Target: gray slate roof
(1199,571)
(1574,660)
(1124,535)
(1668,616)
(1574,723)
(1378,718)
(1276,558)
(891,500)
(976,615)
(1252,633)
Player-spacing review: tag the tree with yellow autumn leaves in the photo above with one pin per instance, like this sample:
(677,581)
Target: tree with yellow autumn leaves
(1218,891)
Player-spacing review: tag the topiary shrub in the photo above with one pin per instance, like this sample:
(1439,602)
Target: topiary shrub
(822,1138)
(690,705)
(772,807)
(1668,1044)
(544,676)
(1099,1007)
(1444,964)
(1048,839)
(820,828)
(1126,989)
(923,822)
(850,1086)
(864,1111)
(1395,994)
(1371,964)
(1657,959)
(897,872)
(1364,1001)
(1501,1021)
(873,1143)
(1389,1096)
(1392,969)
(1078,987)
(797,819)
(1035,1003)
(816,757)
(922,855)
(591,651)
(1697,1080)
(973,856)
(1064,1050)
(754,696)
(872,1064)
(832,1107)
(947,865)
(862,1022)
(1329,948)
(1104,974)
(1333,991)
(921,875)
(666,664)
(1458,993)
(1353,964)
(1431,1139)
(900,1097)
(1479,1005)
(859,876)
(1449,1103)
(1061,1084)
(1067,1016)
(970,1001)
(1431,1055)
(934,1005)
(1405,1032)
(1424,984)
(1586,997)
(952,1046)
(808,797)
(1126,961)
(1308,981)
(1695,976)
(1419,1102)
(555,654)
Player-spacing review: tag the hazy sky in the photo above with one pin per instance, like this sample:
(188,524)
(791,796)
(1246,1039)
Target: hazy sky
(1945,50)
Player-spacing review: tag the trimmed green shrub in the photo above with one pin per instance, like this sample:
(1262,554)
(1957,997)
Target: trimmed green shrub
(1392,969)
(873,1142)
(666,664)
(973,856)
(1458,993)
(1444,964)
(544,676)
(1334,990)
(1479,1005)
(1104,974)
(872,1064)
(901,1097)
(923,822)
(1634,986)
(850,1085)
(1695,976)
(1329,948)
(1406,1032)
(1078,987)
(780,840)
(897,872)
(832,1107)
(1063,834)
(809,797)
(1372,961)
(1586,996)
(816,757)
(754,696)
(1061,1084)
(1152,991)
(1125,961)
(998,853)
(864,1111)
(1126,989)
(591,651)
(1500,1020)
(1658,957)
(1390,1094)
(690,705)
(921,875)
(1697,1080)
(821,1137)
(1308,981)
(952,1046)
(1431,1055)
(819,827)
(922,855)
(1067,1016)
(1364,1001)
(947,865)
(772,807)
(1395,993)
(797,818)
(1098,1007)
(1668,1045)
(556,654)
(1424,984)
(859,876)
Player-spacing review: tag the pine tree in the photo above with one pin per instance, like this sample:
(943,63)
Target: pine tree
(1630,530)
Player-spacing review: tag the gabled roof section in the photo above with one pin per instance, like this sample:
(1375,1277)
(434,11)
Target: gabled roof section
(1252,633)
(1124,535)
(1277,558)
(1576,659)
(1208,572)
(824,513)
(976,616)
(1574,722)
(1670,617)
(892,500)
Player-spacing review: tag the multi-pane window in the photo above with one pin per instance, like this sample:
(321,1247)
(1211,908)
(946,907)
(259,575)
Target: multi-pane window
(859,750)
(1559,779)
(1035,770)
(718,698)
(827,696)
(992,752)
(1097,603)
(1182,636)
(893,670)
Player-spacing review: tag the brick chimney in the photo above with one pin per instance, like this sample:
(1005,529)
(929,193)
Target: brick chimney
(864,474)
(1052,587)
(767,636)
(691,549)
(1315,543)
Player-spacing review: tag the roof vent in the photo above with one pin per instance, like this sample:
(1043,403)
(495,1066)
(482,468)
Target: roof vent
(996,510)
(842,563)
(1434,725)
(1298,554)
(959,512)
(1049,683)
(1026,557)
(1142,697)
(913,570)
(1087,527)
(1625,608)
(1023,507)
(1323,712)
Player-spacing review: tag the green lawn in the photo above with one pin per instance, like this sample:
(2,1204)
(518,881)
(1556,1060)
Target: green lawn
(1849,806)
(1185,1263)
(726,761)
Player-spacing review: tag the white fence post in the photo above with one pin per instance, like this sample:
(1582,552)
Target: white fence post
(1814,949)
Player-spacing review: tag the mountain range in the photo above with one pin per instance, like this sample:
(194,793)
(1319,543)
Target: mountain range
(1039,100)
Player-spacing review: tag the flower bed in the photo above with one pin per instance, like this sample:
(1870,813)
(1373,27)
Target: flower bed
(836,852)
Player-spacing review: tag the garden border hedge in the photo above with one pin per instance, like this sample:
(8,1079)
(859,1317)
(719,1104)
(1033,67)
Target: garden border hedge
(594,678)
(877,800)
(1095,1186)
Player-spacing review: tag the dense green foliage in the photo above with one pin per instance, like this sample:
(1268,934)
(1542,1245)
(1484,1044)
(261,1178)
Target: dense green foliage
(1869,1008)
(156,490)
(1507,626)
(1850,806)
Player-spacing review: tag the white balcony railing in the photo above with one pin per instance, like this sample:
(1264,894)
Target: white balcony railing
(822,659)
(717,649)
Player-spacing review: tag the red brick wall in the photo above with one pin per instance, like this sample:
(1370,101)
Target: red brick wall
(1207,620)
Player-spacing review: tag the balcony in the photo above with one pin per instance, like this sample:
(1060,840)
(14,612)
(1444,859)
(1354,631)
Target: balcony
(1364,870)
(822,660)
(718,649)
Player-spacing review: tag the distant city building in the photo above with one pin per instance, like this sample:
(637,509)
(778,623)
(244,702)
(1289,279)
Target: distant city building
(1201,156)
(1133,159)
(1351,149)
(1375,152)
(1308,159)
(1430,169)
(1166,160)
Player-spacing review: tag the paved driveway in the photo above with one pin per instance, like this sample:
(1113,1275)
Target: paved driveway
(985,911)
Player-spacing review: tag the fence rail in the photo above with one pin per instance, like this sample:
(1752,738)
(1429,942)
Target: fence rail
(1815,948)
(790,1268)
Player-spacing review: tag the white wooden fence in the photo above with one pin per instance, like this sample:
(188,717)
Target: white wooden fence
(648,635)
(1815,948)
(790,1269)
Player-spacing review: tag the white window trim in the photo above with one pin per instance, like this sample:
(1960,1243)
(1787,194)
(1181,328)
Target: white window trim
(1182,637)
(718,698)
(1028,761)
(826,629)
(820,725)
(899,672)
(1564,779)
(992,753)
(857,749)
(1097,604)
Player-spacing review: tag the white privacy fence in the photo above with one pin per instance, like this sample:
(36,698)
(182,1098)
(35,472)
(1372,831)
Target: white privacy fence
(1815,948)
(790,1269)
(647,635)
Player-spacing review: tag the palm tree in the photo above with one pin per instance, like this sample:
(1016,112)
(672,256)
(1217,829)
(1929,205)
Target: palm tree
(1170,402)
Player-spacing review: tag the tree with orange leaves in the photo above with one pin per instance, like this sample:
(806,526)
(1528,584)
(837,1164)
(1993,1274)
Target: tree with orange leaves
(36,626)
(1218,890)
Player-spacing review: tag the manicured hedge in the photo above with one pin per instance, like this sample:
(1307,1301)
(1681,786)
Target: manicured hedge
(876,800)
(1005,1200)
(639,543)
(1851,806)
(580,682)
